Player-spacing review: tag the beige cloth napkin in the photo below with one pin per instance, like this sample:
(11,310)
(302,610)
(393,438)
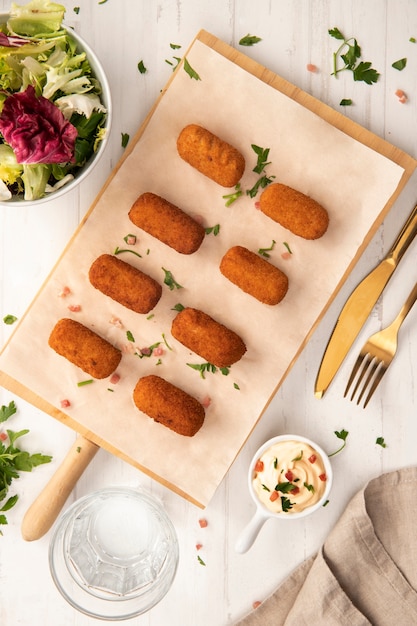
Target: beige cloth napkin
(366,571)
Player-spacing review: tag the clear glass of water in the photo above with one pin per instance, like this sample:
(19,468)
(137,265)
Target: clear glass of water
(114,553)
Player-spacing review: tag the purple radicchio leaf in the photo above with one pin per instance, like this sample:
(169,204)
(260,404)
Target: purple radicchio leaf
(36,129)
(12,41)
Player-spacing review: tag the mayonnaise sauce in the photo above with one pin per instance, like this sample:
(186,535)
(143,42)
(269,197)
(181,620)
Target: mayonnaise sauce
(289,477)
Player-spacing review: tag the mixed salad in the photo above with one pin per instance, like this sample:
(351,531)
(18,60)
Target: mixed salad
(52,118)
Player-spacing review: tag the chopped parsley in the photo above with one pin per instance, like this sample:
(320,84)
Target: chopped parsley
(170,281)
(400,64)
(349,52)
(121,250)
(125,139)
(232,197)
(205,368)
(249,40)
(342,434)
(265,251)
(9,319)
(141,67)
(381,442)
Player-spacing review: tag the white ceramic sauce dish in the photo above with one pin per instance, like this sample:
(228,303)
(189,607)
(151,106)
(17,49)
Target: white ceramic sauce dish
(263,512)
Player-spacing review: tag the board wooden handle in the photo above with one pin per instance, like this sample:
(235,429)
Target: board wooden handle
(45,509)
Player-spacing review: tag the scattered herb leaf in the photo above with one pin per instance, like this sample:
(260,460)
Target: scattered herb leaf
(141,67)
(102,1)
(125,139)
(166,342)
(309,487)
(169,280)
(284,243)
(236,386)
(342,434)
(262,154)
(174,46)
(412,40)
(350,52)
(284,487)
(190,71)
(178,307)
(286,504)
(345,102)
(9,319)
(298,458)
(121,250)
(14,460)
(200,560)
(82,383)
(400,64)
(130,336)
(76,10)
(249,40)
(232,197)
(264,251)
(381,442)
(265,487)
(204,368)
(213,230)
(130,239)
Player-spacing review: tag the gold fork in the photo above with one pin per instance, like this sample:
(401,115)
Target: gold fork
(377,353)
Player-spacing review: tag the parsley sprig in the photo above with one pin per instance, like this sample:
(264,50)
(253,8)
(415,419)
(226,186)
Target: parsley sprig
(350,52)
(14,460)
(342,434)
(204,368)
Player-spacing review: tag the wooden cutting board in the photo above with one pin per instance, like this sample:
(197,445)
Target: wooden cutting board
(245,104)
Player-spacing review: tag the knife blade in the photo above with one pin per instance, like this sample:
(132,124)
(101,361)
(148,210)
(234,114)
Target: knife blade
(359,305)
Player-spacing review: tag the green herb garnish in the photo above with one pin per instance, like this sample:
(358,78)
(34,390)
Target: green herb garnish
(232,197)
(9,319)
(204,368)
(130,336)
(264,251)
(141,67)
(236,386)
(284,243)
(286,487)
(200,560)
(350,52)
(400,64)
(286,504)
(298,458)
(169,280)
(265,488)
(381,442)
(340,435)
(190,71)
(213,230)
(345,102)
(14,460)
(249,40)
(125,139)
(178,307)
(309,487)
(82,383)
(121,250)
(262,154)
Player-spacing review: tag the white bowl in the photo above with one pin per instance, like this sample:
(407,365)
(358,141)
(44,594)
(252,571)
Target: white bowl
(105,96)
(262,513)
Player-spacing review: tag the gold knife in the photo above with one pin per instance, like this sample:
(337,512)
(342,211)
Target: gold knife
(359,305)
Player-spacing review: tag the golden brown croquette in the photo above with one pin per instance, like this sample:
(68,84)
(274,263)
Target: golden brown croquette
(167,222)
(295,211)
(124,283)
(84,348)
(254,275)
(210,155)
(169,405)
(211,340)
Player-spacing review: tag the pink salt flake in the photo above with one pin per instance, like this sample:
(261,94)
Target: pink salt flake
(114,378)
(74,308)
(65,403)
(311,67)
(206,401)
(115,321)
(65,291)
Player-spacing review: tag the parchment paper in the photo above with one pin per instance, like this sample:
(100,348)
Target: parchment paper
(352,181)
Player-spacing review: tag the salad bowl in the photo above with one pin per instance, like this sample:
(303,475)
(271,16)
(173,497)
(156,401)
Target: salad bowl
(42,180)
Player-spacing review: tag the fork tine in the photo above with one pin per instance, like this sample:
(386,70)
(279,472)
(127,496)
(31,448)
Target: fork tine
(375,383)
(366,362)
(374,363)
(355,369)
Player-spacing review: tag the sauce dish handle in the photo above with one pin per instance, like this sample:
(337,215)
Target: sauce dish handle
(250,532)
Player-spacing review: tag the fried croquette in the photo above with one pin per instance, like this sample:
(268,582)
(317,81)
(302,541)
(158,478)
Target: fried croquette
(84,348)
(169,405)
(167,222)
(295,211)
(210,155)
(254,275)
(124,283)
(211,340)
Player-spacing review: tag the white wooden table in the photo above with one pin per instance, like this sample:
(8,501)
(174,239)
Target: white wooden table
(294,33)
